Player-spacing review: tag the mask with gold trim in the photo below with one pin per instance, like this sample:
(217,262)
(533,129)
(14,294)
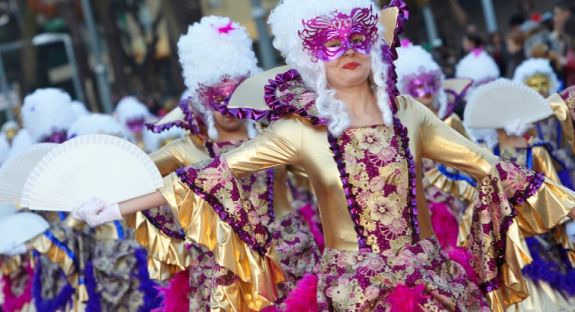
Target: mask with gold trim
(540,83)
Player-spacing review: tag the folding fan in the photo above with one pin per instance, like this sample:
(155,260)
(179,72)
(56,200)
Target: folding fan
(7,210)
(19,228)
(15,171)
(89,166)
(495,104)
(250,93)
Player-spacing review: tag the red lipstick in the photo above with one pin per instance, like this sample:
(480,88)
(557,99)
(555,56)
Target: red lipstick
(351,65)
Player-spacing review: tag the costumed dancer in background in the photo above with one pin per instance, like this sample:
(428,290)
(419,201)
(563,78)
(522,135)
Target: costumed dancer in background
(538,74)
(133,114)
(46,115)
(448,191)
(7,134)
(338,118)
(16,273)
(479,66)
(550,276)
(112,264)
(216,56)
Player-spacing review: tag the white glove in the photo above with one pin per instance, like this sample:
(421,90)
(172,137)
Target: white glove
(16,250)
(96,211)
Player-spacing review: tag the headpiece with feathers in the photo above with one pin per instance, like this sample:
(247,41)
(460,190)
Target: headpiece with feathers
(97,124)
(479,66)
(212,49)
(46,111)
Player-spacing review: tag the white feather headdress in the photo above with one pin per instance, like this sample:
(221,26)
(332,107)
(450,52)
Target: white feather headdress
(212,49)
(534,66)
(97,124)
(479,66)
(286,21)
(46,111)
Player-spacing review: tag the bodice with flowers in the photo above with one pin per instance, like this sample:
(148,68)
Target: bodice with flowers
(379,180)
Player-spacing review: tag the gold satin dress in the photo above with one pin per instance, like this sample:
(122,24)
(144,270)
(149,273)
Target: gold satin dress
(211,286)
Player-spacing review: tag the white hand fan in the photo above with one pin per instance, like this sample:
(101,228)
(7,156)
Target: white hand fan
(88,166)
(493,105)
(7,210)
(19,228)
(15,171)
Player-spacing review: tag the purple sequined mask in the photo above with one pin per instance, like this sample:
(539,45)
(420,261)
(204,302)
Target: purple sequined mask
(327,38)
(219,94)
(59,136)
(423,84)
(136,125)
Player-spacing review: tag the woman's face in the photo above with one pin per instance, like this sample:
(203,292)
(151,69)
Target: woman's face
(350,70)
(228,124)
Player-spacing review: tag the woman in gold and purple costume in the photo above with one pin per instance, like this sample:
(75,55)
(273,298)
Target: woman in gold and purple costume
(216,55)
(337,118)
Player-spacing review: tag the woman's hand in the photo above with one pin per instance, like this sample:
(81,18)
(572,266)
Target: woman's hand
(572,215)
(96,212)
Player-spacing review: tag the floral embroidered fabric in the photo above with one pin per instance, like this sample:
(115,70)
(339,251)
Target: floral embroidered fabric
(363,281)
(378,176)
(213,181)
(499,192)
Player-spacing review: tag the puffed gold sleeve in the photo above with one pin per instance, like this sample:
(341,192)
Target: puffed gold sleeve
(561,109)
(177,154)
(276,145)
(157,229)
(258,274)
(543,163)
(445,145)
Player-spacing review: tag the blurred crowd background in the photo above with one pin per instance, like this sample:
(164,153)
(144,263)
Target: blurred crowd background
(102,50)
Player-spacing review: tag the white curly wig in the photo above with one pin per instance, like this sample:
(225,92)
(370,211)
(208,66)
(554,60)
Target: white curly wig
(46,111)
(130,108)
(534,66)
(286,21)
(479,66)
(212,49)
(414,60)
(97,124)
